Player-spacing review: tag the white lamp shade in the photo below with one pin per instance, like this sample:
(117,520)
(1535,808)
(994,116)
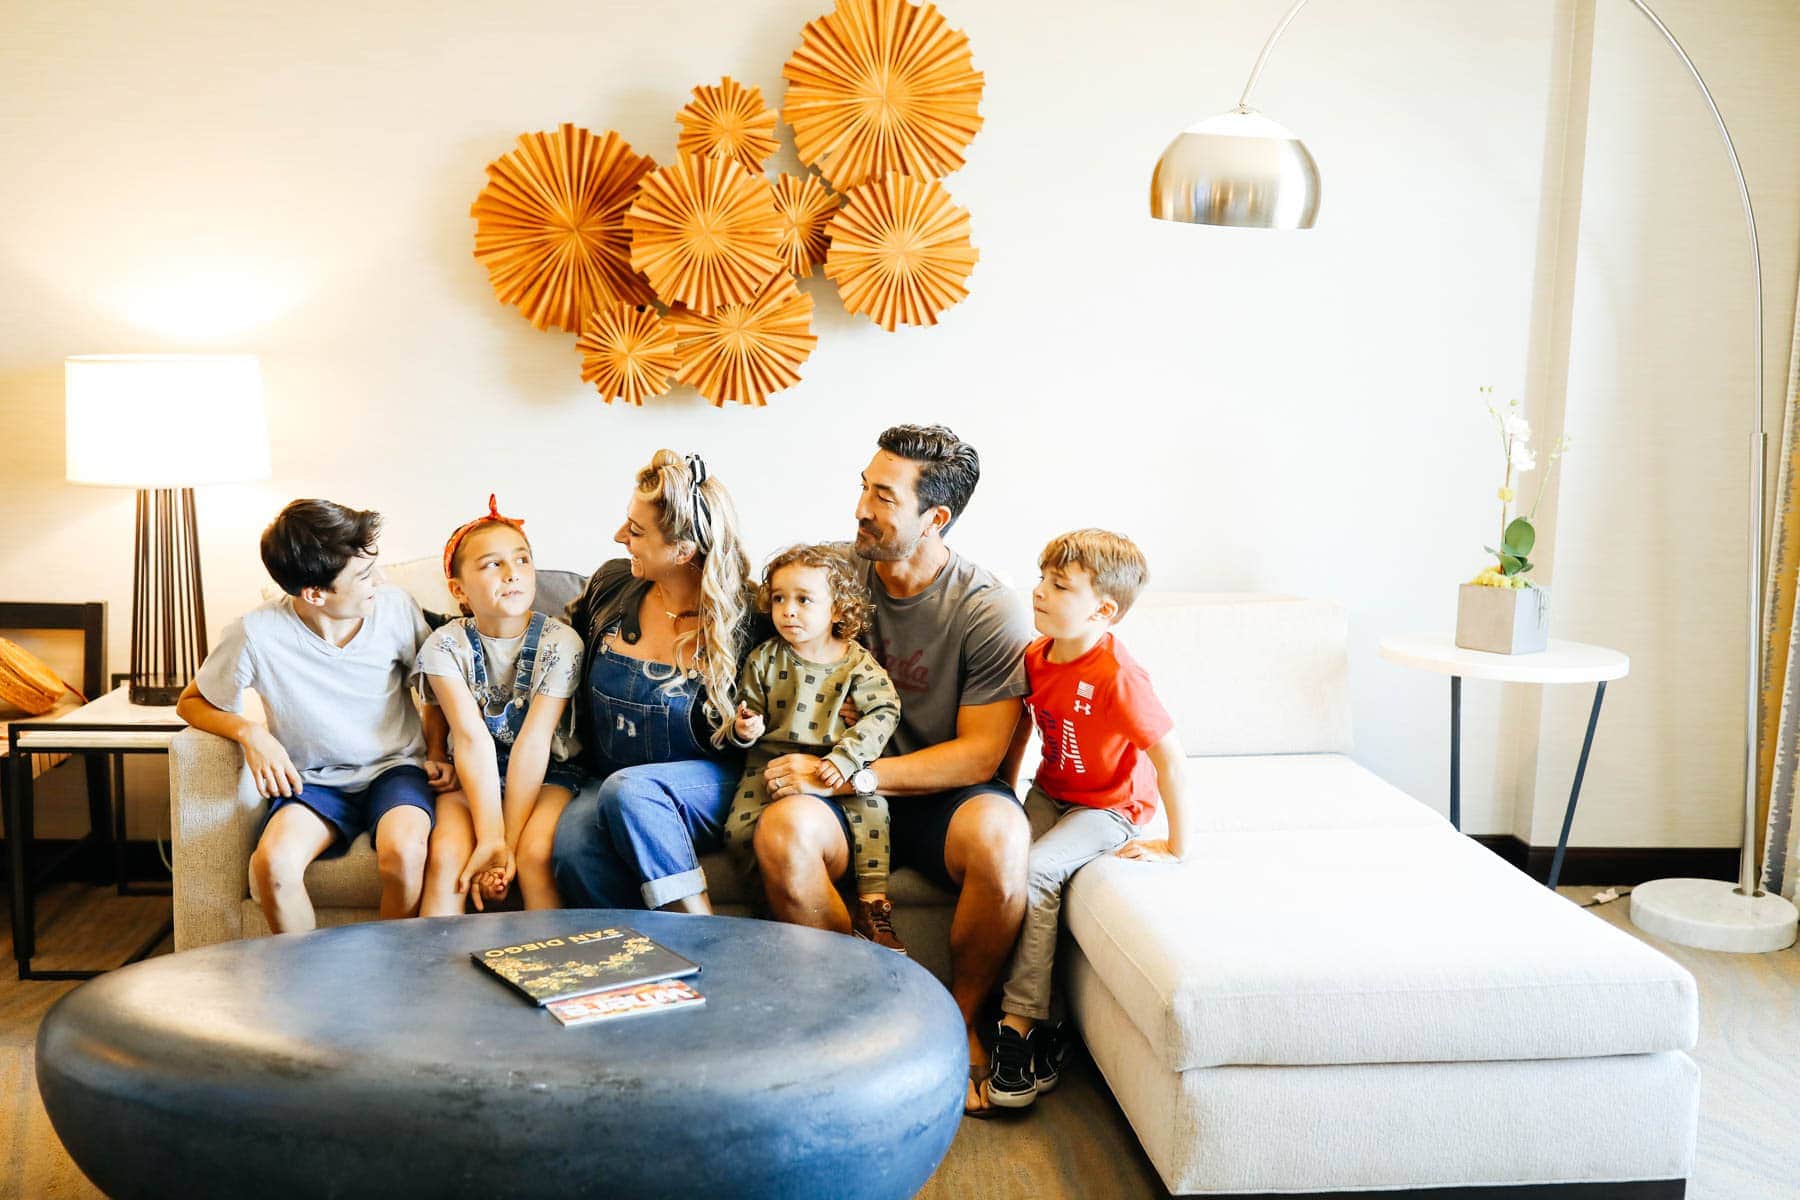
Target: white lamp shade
(165,420)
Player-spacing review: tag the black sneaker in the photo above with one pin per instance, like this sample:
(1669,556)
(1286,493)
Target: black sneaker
(1011,1083)
(1049,1050)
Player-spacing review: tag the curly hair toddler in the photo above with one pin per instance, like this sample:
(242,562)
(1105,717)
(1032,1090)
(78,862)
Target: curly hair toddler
(794,692)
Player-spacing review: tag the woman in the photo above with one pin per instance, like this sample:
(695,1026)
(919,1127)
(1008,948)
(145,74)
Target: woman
(666,629)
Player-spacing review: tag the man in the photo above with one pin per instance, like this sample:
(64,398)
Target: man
(952,640)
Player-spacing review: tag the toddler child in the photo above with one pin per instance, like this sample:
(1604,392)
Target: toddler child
(792,689)
(502,675)
(342,751)
(1109,748)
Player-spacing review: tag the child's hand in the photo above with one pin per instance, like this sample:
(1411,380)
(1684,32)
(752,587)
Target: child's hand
(492,885)
(1148,850)
(440,775)
(829,775)
(487,856)
(270,767)
(749,725)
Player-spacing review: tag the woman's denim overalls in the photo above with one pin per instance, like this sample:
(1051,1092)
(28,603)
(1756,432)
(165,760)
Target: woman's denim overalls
(634,839)
(503,711)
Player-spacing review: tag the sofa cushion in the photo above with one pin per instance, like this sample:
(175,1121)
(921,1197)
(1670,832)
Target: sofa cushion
(1246,674)
(1275,792)
(351,881)
(724,886)
(1367,946)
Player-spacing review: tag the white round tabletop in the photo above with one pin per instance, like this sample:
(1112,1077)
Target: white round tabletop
(1558,662)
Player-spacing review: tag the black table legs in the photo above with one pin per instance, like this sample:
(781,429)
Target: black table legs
(106,811)
(1587,744)
(1456,752)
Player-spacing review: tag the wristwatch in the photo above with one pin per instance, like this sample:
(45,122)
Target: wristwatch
(863,782)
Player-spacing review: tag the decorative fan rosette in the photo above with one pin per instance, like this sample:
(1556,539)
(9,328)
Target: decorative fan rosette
(729,121)
(879,86)
(549,225)
(705,231)
(741,353)
(628,353)
(805,207)
(900,251)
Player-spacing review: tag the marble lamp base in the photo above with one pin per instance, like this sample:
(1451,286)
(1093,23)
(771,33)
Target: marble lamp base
(1712,914)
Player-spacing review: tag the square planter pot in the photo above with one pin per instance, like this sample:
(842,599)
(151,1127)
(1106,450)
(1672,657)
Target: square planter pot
(1502,620)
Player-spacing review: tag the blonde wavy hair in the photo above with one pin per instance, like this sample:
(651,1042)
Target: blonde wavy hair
(694,507)
(850,606)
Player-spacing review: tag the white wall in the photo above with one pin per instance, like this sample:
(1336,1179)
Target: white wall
(1272,412)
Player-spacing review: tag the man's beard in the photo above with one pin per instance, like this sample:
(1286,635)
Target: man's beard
(880,551)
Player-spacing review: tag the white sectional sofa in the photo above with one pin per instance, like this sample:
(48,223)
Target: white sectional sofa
(1336,991)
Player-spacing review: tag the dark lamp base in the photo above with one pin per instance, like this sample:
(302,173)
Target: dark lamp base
(156,695)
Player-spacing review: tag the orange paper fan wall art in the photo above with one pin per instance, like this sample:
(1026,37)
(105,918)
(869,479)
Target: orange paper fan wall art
(549,225)
(900,251)
(728,120)
(879,86)
(805,207)
(628,353)
(743,352)
(704,231)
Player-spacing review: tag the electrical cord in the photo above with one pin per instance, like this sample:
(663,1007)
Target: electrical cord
(1606,897)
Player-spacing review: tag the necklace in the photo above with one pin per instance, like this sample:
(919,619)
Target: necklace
(684,615)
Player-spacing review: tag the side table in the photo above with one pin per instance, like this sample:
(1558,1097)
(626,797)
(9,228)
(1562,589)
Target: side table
(1558,662)
(110,725)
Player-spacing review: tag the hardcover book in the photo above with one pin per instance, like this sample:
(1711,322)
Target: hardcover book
(579,963)
(661,996)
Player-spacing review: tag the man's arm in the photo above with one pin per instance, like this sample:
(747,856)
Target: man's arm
(984,735)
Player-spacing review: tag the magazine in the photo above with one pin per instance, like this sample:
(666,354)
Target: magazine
(662,996)
(579,963)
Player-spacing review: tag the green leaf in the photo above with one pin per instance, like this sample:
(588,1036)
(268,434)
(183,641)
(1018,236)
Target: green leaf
(1520,537)
(1511,565)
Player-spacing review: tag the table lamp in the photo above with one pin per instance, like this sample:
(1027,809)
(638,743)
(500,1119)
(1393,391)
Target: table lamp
(1243,170)
(165,424)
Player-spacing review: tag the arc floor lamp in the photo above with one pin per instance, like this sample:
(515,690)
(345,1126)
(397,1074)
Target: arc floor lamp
(1244,170)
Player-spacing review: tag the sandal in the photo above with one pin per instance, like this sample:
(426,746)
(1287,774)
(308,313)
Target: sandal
(979,1077)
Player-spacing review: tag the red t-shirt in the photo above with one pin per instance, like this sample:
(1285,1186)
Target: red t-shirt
(1096,716)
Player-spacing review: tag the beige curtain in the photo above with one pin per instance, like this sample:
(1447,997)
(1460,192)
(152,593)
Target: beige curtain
(1779,740)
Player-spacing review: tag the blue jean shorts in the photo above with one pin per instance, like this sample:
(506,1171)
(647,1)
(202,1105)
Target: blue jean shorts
(565,775)
(350,813)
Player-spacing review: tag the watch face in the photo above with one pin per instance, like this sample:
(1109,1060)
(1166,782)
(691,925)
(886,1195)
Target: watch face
(863,781)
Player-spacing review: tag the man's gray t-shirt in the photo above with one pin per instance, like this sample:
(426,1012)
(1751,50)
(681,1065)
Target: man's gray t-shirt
(960,641)
(343,713)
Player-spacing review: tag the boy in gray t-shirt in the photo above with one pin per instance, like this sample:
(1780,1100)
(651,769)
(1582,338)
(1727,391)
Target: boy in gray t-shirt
(342,751)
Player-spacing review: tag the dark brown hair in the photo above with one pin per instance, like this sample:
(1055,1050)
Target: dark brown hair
(309,541)
(949,468)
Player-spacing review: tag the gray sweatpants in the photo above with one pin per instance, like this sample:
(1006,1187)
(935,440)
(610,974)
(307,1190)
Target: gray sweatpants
(1065,838)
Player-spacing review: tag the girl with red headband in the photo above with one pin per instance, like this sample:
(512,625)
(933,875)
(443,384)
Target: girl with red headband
(503,676)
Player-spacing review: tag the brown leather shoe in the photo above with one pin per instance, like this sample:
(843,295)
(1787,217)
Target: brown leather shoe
(874,922)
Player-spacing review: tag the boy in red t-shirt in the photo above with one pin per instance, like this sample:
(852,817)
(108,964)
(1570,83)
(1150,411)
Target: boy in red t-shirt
(1109,749)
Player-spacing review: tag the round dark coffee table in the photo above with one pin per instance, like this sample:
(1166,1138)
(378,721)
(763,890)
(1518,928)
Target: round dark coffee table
(378,1060)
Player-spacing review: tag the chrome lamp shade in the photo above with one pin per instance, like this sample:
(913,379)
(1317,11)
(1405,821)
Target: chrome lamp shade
(1238,169)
